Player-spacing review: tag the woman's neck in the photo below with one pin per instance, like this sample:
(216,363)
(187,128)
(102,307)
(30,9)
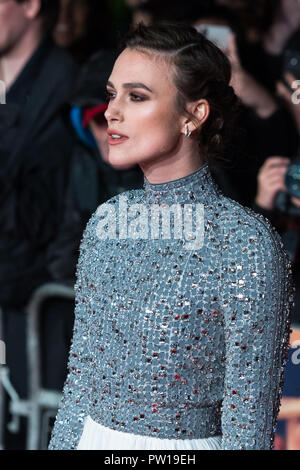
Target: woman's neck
(178,165)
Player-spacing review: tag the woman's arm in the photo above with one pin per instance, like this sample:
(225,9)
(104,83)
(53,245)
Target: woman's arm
(257,302)
(74,404)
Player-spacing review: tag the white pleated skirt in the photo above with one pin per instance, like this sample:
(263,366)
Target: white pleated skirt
(98,437)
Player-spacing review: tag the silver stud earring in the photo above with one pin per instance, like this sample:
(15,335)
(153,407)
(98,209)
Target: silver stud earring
(187,133)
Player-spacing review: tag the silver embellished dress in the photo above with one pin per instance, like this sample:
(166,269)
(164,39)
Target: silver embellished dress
(179,335)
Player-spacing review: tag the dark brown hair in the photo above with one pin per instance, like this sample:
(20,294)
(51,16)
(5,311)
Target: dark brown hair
(201,71)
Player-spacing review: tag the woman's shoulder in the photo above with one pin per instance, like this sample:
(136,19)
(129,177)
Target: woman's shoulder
(109,207)
(131,196)
(253,257)
(241,225)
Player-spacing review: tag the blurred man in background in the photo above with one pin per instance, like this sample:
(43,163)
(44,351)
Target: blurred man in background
(35,150)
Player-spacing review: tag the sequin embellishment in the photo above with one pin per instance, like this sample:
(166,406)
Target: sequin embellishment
(181,344)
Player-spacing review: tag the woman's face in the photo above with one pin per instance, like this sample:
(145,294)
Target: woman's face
(142,108)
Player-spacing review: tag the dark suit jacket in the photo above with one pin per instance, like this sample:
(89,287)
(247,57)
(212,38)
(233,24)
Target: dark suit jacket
(35,150)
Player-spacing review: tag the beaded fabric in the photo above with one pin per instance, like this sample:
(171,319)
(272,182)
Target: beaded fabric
(173,342)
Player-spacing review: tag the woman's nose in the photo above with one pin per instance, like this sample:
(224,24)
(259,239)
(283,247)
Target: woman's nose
(113,111)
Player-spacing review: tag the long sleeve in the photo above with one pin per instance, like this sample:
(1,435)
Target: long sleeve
(74,404)
(257,295)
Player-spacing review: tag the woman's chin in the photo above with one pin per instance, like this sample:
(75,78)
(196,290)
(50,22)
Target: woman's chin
(118,164)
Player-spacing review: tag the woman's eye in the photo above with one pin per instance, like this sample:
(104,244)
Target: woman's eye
(134,97)
(109,95)
(137,97)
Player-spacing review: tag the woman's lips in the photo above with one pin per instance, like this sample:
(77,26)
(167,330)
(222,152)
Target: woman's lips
(112,141)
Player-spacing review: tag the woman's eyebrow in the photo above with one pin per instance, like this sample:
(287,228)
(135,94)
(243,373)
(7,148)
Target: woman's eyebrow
(131,85)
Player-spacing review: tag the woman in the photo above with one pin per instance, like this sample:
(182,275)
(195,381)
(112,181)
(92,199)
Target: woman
(179,340)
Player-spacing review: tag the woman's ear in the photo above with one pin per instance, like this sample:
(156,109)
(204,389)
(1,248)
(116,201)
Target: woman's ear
(200,109)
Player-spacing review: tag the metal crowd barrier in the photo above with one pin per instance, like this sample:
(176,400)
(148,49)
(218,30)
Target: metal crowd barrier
(41,404)
(2,409)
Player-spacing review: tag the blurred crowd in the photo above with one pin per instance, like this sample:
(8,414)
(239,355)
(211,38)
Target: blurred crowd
(55,59)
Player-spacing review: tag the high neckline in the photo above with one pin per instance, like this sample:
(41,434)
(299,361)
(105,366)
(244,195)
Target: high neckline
(198,185)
